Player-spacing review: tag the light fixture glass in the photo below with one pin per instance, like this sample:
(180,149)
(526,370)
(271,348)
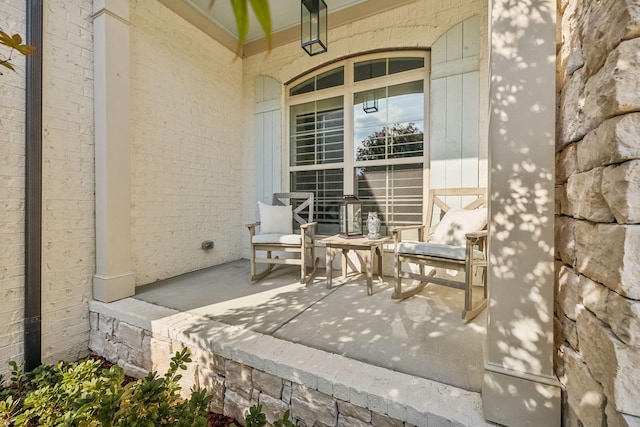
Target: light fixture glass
(350,217)
(313,26)
(370,104)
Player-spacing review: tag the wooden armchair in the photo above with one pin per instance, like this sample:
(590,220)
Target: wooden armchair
(456,242)
(275,233)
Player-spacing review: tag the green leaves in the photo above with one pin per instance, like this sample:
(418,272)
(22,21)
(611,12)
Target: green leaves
(241,12)
(13,42)
(85,394)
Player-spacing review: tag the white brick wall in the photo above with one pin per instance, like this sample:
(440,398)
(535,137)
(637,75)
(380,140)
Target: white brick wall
(187,120)
(68,226)
(190,139)
(417,24)
(12,105)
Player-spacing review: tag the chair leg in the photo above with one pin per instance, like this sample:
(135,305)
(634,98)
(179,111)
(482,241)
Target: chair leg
(253,261)
(399,294)
(397,291)
(471,312)
(306,278)
(303,263)
(257,276)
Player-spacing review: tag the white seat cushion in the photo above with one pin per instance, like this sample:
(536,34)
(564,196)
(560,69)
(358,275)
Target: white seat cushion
(285,239)
(436,250)
(275,219)
(456,223)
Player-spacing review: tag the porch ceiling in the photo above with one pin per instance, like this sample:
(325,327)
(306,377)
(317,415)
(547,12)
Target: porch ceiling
(220,22)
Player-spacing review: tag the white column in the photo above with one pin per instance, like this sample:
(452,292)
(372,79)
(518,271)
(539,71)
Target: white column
(114,277)
(520,388)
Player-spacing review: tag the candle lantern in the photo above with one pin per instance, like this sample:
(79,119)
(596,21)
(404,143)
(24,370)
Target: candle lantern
(350,217)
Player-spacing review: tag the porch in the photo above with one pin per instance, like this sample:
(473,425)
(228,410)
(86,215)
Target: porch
(401,360)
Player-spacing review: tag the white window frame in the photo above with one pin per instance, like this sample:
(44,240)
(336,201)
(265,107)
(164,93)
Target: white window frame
(347,91)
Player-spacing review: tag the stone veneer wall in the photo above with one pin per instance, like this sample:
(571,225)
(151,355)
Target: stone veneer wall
(235,386)
(598,212)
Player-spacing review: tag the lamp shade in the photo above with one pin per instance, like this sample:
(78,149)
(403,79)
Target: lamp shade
(350,217)
(313,26)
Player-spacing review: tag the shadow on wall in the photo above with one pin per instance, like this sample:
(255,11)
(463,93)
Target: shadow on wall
(522,143)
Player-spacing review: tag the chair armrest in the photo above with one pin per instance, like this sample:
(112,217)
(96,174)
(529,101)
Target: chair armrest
(397,232)
(252,227)
(473,236)
(311,225)
(310,229)
(476,238)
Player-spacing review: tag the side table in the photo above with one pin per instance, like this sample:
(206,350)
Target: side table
(370,247)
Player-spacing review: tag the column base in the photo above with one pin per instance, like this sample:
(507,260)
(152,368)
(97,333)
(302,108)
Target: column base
(520,400)
(113,288)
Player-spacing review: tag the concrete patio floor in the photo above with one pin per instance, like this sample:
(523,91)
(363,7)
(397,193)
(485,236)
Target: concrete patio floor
(422,336)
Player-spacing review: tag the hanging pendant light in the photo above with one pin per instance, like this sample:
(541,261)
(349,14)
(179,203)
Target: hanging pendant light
(370,104)
(313,26)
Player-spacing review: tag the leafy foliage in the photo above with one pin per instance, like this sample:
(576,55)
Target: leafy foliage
(392,141)
(14,43)
(241,12)
(256,418)
(84,394)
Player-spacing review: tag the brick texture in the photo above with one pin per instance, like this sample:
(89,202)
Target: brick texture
(187,122)
(12,125)
(68,236)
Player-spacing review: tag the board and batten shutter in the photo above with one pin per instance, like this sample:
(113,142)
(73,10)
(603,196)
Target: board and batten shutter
(268,138)
(454,108)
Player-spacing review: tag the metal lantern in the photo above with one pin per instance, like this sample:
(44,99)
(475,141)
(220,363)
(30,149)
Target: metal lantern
(370,104)
(350,217)
(313,26)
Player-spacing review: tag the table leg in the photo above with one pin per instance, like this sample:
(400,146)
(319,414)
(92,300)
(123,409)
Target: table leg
(379,252)
(369,267)
(329,265)
(344,263)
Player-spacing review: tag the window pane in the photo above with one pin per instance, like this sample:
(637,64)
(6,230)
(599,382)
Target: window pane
(327,187)
(370,127)
(369,69)
(398,65)
(394,192)
(304,87)
(317,132)
(389,122)
(331,78)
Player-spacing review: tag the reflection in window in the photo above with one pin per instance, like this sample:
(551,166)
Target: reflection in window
(395,192)
(369,69)
(381,158)
(327,187)
(328,79)
(366,70)
(317,132)
(396,129)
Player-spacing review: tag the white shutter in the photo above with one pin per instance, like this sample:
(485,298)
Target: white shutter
(268,138)
(454,106)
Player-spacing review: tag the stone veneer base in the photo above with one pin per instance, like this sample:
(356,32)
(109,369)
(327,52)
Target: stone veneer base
(242,368)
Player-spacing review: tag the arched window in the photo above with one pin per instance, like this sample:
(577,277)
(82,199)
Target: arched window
(358,127)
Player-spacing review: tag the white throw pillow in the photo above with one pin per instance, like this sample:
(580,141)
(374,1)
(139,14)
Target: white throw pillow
(456,223)
(275,219)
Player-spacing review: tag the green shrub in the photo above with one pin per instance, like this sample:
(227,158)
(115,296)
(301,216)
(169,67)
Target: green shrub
(84,394)
(256,418)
